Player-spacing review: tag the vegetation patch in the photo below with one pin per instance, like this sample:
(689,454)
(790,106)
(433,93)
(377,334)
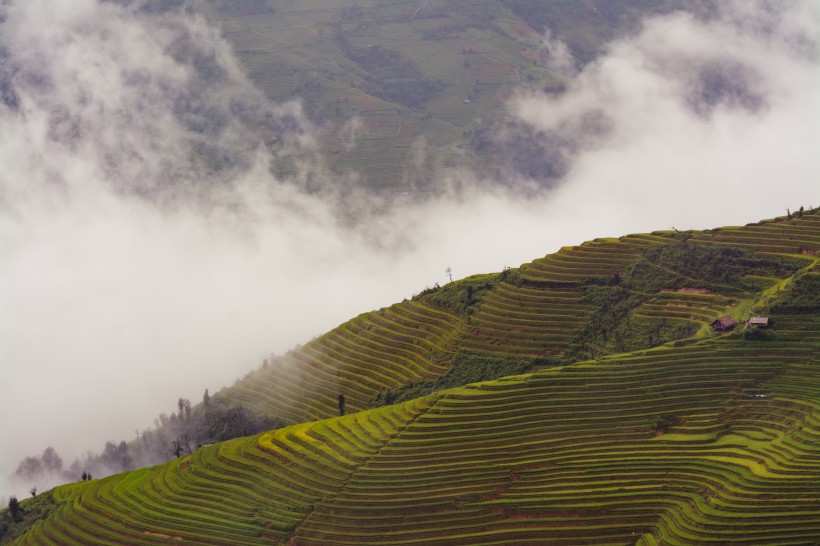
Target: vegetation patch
(467,368)
(720,269)
(614,326)
(461,296)
(19,516)
(802,295)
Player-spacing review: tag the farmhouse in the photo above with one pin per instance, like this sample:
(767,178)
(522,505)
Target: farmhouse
(724,324)
(758,322)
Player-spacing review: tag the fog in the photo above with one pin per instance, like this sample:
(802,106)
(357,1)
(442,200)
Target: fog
(135,269)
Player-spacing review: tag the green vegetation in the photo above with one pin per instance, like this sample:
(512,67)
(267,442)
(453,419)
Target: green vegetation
(467,368)
(802,295)
(664,421)
(685,265)
(461,296)
(374,352)
(679,443)
(489,426)
(649,304)
(19,516)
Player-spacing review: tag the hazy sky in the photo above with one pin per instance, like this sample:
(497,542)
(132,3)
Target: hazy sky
(131,275)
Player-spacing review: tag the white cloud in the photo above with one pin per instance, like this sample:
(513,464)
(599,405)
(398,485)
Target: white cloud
(705,121)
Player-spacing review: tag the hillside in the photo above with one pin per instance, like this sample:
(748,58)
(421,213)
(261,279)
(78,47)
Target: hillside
(636,425)
(602,297)
(400,88)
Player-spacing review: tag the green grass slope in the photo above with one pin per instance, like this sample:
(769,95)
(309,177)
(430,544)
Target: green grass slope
(712,439)
(713,442)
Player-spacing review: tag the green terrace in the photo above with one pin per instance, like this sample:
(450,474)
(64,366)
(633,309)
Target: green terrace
(710,443)
(526,322)
(605,296)
(709,439)
(375,351)
(797,235)
(600,258)
(694,307)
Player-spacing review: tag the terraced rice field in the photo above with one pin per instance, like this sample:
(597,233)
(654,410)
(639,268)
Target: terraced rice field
(526,322)
(544,315)
(563,456)
(375,351)
(701,308)
(600,258)
(708,440)
(538,317)
(795,236)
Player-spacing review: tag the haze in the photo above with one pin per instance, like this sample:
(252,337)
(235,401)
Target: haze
(132,275)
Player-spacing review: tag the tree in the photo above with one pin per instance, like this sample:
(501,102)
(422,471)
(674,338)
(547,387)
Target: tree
(206,398)
(14,508)
(33,491)
(182,446)
(116,457)
(51,461)
(341,404)
(184,408)
(30,468)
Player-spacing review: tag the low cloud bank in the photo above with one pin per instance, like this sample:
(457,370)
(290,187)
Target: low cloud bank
(148,253)
(692,122)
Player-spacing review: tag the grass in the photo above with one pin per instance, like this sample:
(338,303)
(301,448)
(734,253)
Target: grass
(567,454)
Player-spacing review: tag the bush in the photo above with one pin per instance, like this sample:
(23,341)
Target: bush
(664,421)
(21,515)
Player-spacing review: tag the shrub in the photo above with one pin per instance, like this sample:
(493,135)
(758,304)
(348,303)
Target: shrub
(664,421)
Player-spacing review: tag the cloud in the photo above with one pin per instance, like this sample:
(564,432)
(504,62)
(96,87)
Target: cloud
(149,253)
(554,55)
(702,119)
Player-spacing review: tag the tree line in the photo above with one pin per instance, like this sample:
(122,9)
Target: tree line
(174,435)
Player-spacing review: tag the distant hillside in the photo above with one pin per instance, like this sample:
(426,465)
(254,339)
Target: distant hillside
(402,87)
(640,425)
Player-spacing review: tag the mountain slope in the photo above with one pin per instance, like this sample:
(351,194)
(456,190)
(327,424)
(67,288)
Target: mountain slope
(399,88)
(558,309)
(375,351)
(714,439)
(572,454)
